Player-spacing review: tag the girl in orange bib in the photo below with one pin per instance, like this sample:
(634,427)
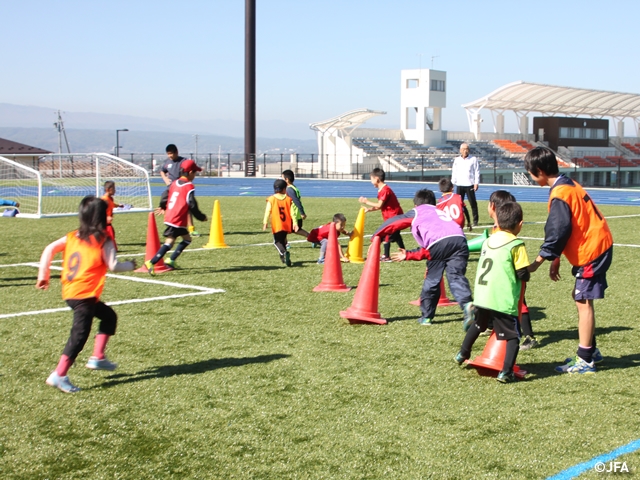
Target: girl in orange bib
(87,253)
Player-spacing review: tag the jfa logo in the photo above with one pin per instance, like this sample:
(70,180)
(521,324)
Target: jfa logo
(612,467)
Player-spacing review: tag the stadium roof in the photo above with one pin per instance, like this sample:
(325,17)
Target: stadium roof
(549,99)
(347,122)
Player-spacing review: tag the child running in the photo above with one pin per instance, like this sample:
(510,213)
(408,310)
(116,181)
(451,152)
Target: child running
(109,192)
(496,200)
(452,204)
(278,210)
(179,204)
(502,267)
(87,253)
(297,210)
(321,235)
(576,229)
(389,207)
(444,246)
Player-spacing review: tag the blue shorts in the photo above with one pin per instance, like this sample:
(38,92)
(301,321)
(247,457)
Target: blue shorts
(591,279)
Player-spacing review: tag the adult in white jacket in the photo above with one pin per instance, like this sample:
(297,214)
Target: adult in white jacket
(465,175)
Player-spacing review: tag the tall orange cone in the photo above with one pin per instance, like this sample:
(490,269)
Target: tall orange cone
(216,234)
(443,301)
(332,274)
(153,245)
(364,308)
(354,250)
(492,357)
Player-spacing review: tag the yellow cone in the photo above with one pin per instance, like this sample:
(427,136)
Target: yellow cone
(216,235)
(354,251)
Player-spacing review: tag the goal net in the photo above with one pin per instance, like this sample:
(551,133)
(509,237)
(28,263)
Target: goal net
(53,185)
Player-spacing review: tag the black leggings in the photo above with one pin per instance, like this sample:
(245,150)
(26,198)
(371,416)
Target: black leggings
(83,312)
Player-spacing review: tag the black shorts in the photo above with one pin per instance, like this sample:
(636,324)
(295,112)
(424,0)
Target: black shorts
(175,232)
(505,325)
(299,223)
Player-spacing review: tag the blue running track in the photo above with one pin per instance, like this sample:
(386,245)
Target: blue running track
(263,187)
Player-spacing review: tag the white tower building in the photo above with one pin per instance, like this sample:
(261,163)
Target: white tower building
(423,95)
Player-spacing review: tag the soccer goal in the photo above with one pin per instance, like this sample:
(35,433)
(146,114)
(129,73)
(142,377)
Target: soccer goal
(53,185)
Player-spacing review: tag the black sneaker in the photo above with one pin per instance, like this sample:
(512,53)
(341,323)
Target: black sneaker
(287,259)
(529,343)
(506,377)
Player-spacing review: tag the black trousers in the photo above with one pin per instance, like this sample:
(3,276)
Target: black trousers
(471,193)
(83,312)
(450,255)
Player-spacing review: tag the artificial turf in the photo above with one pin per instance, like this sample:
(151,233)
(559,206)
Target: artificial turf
(267,381)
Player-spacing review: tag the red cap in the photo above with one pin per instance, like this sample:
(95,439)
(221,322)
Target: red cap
(189,165)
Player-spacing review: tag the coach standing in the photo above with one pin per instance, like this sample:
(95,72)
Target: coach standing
(465,175)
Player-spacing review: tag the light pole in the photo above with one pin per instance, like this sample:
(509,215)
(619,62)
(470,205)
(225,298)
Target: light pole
(118,140)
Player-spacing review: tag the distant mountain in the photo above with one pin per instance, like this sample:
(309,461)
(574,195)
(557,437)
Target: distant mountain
(21,116)
(135,141)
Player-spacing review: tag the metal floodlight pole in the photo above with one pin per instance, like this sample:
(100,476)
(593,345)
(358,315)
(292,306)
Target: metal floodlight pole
(118,140)
(250,86)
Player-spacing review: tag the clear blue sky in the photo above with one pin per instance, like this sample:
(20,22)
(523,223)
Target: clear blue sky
(185,59)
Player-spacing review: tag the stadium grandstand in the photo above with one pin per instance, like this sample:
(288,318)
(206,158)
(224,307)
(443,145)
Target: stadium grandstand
(573,122)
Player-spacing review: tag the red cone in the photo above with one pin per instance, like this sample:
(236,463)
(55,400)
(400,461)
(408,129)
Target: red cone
(492,356)
(332,273)
(364,308)
(443,302)
(153,245)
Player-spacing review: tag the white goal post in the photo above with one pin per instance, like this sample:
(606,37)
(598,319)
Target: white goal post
(53,185)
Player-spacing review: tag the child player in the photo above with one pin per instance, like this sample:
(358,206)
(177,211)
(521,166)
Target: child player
(87,253)
(278,210)
(496,200)
(443,244)
(389,207)
(452,204)
(297,210)
(180,202)
(321,235)
(169,173)
(576,228)
(502,267)
(109,192)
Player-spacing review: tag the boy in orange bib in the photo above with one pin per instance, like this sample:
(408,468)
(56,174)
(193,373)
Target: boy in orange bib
(278,210)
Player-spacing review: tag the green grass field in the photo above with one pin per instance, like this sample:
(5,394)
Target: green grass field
(267,381)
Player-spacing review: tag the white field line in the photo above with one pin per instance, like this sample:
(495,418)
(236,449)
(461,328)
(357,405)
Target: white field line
(200,291)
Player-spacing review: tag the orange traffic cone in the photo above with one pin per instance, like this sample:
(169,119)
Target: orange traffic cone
(443,301)
(354,250)
(332,273)
(364,308)
(492,357)
(216,234)
(153,245)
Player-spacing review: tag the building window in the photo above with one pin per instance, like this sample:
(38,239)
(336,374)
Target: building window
(413,83)
(564,132)
(587,133)
(437,85)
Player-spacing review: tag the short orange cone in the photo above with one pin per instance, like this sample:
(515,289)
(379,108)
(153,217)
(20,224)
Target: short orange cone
(216,234)
(354,250)
(492,357)
(332,273)
(153,245)
(364,308)
(443,301)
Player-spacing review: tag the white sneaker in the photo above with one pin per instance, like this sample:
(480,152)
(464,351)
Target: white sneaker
(61,383)
(96,363)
